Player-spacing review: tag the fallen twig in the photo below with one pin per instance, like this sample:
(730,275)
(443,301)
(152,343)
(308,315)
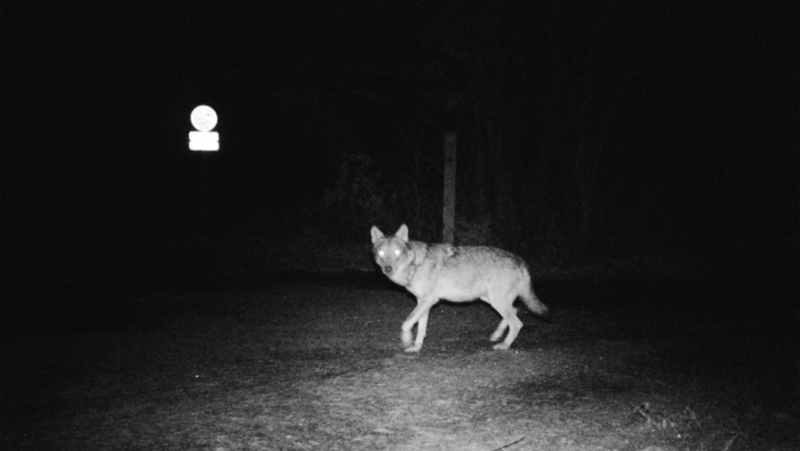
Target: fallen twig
(510,444)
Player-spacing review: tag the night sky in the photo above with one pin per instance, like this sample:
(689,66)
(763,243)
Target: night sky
(694,103)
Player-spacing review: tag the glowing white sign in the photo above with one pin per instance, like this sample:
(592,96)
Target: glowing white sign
(204,119)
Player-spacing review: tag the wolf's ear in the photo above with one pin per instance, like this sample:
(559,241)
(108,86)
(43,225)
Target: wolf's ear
(376,234)
(402,233)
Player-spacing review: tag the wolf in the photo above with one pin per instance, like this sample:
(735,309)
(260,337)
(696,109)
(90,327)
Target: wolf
(433,272)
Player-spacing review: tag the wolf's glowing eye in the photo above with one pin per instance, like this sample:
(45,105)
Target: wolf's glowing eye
(381,253)
(397,252)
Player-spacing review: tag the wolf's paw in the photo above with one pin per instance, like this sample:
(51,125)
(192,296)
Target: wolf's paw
(414,348)
(406,338)
(500,347)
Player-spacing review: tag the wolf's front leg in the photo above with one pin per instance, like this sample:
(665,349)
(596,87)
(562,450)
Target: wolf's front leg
(419,317)
(406,338)
(422,328)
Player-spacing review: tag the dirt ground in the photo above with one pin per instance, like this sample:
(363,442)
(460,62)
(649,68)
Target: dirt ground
(291,365)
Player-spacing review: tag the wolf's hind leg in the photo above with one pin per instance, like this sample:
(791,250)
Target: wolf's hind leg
(498,333)
(501,328)
(514,326)
(504,304)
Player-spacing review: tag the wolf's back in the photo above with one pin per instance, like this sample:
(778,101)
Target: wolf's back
(472,263)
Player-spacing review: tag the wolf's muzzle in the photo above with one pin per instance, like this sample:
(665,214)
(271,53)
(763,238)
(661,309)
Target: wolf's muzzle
(387,269)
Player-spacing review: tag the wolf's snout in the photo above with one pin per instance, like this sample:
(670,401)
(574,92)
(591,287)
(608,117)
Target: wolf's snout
(387,269)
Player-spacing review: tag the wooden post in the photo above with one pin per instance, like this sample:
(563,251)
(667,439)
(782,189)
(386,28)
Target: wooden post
(449,201)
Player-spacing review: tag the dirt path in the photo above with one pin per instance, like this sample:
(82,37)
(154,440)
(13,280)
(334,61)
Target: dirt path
(298,367)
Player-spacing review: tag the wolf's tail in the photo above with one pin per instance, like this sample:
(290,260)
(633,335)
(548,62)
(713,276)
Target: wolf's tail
(532,302)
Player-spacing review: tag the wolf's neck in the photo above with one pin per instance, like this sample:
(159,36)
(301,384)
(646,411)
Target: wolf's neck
(419,250)
(405,275)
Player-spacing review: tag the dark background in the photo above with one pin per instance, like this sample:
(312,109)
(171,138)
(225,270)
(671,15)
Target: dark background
(585,128)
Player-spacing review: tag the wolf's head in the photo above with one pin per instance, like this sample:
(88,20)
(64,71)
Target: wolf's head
(391,253)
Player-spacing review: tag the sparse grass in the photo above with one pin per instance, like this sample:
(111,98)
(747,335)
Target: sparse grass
(320,367)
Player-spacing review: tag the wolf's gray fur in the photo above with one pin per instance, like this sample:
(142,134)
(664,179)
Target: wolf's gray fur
(433,272)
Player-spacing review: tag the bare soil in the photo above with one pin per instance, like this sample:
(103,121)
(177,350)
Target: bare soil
(299,366)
